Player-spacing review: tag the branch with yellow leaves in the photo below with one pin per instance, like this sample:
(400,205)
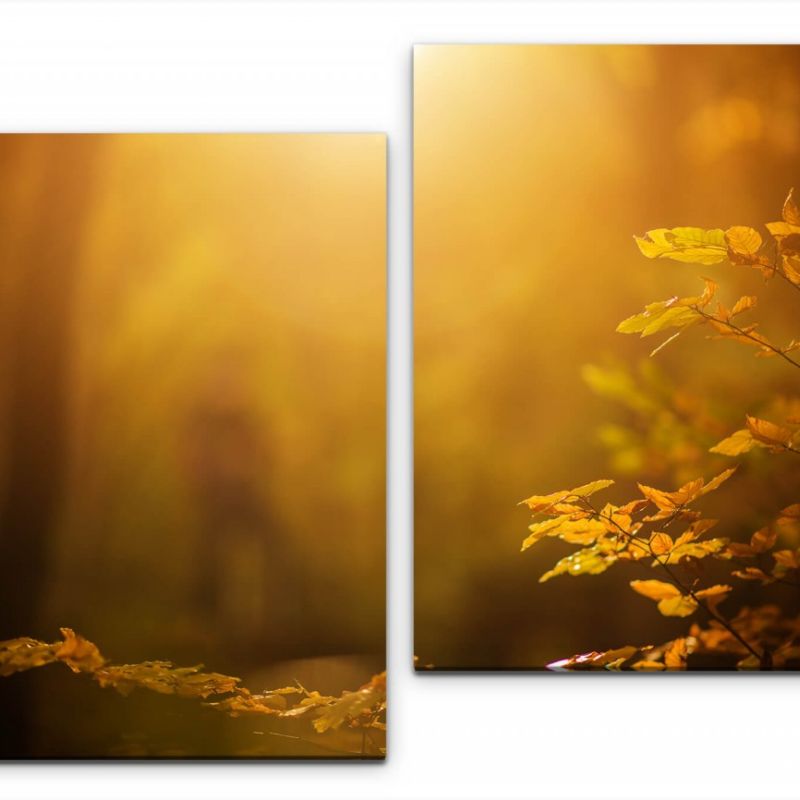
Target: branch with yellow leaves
(613,534)
(686,312)
(621,533)
(363,708)
(739,244)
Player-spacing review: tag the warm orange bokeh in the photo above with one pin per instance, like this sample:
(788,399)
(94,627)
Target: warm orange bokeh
(534,167)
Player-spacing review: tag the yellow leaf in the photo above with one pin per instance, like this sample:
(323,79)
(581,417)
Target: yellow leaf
(541,529)
(676,317)
(787,558)
(670,502)
(743,240)
(781,230)
(769,433)
(716,482)
(714,595)
(751,574)
(580,531)
(763,540)
(655,319)
(695,530)
(791,269)
(709,547)
(660,543)
(680,606)
(244,703)
(663,500)
(352,704)
(671,603)
(737,443)
(589,561)
(542,503)
(718,590)
(164,678)
(584,531)
(743,304)
(675,654)
(655,590)
(79,654)
(690,245)
(18,655)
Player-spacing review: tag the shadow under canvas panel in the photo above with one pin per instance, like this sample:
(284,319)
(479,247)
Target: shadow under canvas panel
(574,208)
(192,456)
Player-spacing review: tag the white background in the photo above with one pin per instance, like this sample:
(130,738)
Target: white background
(290,66)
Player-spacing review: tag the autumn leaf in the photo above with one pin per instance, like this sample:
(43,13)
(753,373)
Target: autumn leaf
(744,304)
(164,678)
(670,503)
(671,603)
(743,240)
(660,543)
(752,574)
(690,245)
(695,530)
(697,550)
(675,654)
(361,708)
(589,561)
(763,540)
(541,529)
(244,703)
(79,654)
(717,591)
(546,502)
(790,212)
(680,606)
(791,269)
(352,704)
(657,317)
(655,590)
(716,482)
(580,531)
(758,433)
(780,230)
(736,444)
(18,655)
(769,434)
(790,559)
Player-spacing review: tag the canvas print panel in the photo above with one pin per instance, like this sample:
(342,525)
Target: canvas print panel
(607,405)
(192,446)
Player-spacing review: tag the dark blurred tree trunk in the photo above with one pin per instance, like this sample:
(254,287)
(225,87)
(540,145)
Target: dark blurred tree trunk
(45,256)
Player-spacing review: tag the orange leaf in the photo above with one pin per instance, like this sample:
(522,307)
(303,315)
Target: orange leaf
(660,543)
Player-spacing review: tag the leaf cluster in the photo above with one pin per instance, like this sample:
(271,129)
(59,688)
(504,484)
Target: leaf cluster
(635,532)
(363,708)
(662,531)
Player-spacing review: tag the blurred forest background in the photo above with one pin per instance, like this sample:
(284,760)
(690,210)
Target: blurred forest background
(534,166)
(192,421)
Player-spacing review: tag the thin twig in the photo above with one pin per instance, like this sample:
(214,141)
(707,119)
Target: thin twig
(675,580)
(742,332)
